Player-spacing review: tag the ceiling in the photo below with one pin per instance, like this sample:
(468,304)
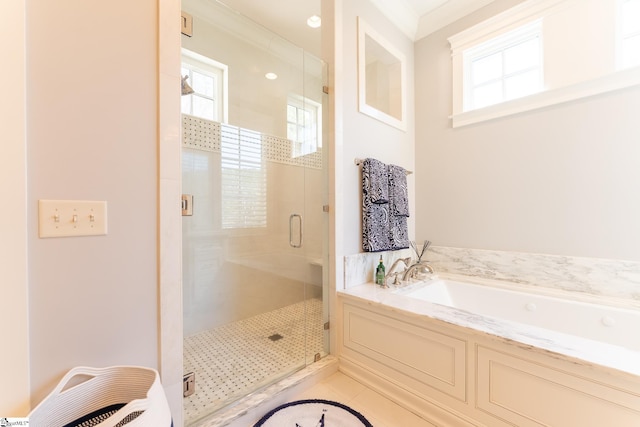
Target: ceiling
(416,18)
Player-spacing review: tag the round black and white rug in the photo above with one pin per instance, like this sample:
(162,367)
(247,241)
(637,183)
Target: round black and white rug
(313,413)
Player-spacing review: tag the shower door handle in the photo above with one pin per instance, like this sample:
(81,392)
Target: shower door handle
(293,244)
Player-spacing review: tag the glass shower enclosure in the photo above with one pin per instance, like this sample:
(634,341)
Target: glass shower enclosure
(254,230)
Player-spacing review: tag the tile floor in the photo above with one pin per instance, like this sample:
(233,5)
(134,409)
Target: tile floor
(234,359)
(377,409)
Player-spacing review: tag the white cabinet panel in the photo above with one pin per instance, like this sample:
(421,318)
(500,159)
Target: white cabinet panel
(531,394)
(431,358)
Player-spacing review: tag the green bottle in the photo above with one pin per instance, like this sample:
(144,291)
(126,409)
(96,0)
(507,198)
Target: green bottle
(380,273)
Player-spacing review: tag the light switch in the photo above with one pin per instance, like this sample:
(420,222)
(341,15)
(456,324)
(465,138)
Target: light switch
(64,218)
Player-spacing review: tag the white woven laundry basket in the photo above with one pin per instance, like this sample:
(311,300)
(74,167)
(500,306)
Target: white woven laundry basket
(111,397)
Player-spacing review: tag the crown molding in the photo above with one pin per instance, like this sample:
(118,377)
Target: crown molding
(400,14)
(414,26)
(446,14)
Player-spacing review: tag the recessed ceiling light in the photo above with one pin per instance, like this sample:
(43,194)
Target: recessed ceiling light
(314,21)
(271,76)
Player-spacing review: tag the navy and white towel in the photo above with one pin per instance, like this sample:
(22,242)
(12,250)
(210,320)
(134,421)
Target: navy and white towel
(375,207)
(398,207)
(385,206)
(376,180)
(398,194)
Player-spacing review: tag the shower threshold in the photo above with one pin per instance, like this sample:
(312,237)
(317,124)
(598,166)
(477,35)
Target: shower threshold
(250,408)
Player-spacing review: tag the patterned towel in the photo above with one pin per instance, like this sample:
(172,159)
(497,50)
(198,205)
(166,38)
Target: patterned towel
(375,180)
(398,232)
(375,206)
(398,208)
(375,227)
(398,195)
(384,225)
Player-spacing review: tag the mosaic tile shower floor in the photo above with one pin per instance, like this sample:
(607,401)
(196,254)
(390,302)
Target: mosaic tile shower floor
(233,359)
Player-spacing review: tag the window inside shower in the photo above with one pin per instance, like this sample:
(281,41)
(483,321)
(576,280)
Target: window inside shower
(304,119)
(207,78)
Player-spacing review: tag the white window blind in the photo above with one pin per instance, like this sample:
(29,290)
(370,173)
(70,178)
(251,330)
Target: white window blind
(244,180)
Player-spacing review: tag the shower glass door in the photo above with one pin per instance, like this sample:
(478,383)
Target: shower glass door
(253,170)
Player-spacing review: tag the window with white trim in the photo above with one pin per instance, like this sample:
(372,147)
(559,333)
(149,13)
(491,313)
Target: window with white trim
(207,79)
(504,68)
(304,125)
(628,33)
(583,45)
(244,179)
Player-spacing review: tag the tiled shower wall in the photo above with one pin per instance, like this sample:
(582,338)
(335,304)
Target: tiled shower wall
(205,135)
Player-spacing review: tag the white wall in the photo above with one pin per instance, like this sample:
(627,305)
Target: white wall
(585,52)
(14,359)
(92,106)
(560,180)
(363,136)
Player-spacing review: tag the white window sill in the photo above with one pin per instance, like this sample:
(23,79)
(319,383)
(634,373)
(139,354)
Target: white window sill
(615,81)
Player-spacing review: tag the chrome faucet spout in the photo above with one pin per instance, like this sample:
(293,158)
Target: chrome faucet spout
(392,273)
(406,262)
(414,270)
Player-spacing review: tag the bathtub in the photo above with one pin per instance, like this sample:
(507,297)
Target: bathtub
(462,352)
(597,322)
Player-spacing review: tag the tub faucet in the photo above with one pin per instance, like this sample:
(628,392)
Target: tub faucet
(415,269)
(393,273)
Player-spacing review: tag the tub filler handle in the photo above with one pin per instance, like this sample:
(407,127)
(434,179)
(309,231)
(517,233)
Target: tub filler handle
(292,243)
